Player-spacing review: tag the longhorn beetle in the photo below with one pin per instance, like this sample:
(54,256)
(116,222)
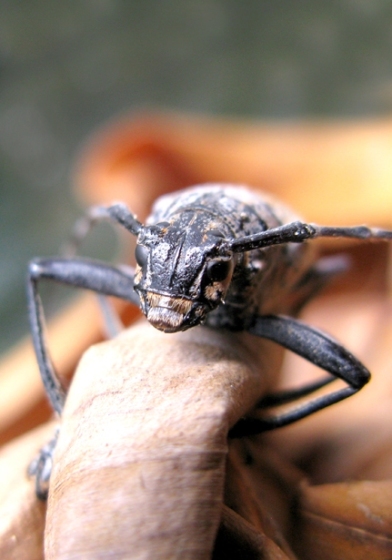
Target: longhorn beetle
(222,256)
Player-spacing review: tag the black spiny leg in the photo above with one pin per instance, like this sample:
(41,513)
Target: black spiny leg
(309,343)
(81,273)
(321,350)
(41,467)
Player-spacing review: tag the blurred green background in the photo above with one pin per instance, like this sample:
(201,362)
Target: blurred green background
(67,67)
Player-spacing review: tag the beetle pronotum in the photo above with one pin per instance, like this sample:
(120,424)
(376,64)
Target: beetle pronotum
(220,256)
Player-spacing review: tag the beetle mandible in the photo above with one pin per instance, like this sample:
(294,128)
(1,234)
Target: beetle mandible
(222,256)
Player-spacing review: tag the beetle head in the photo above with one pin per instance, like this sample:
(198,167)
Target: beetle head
(184,269)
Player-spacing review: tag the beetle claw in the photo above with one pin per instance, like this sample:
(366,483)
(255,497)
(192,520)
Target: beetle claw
(41,467)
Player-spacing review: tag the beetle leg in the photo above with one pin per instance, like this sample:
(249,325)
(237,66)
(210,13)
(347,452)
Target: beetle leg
(321,350)
(81,273)
(41,467)
(289,395)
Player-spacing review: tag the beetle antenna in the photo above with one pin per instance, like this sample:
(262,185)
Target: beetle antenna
(297,232)
(120,213)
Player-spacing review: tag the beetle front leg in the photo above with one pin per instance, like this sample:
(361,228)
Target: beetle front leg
(41,467)
(81,273)
(77,272)
(321,350)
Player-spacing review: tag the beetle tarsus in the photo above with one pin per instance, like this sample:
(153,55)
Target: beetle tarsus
(41,467)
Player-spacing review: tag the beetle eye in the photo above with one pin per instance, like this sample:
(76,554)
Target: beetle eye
(217,271)
(141,254)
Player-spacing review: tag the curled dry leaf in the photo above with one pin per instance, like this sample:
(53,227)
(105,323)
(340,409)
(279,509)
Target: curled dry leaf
(140,462)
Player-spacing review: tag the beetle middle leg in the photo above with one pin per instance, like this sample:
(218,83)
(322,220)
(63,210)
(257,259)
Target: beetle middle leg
(321,350)
(41,467)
